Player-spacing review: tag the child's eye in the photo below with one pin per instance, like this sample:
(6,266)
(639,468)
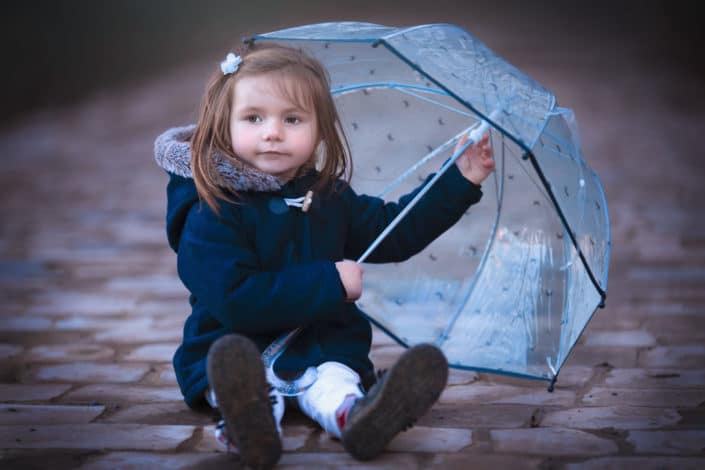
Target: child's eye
(253,118)
(292,120)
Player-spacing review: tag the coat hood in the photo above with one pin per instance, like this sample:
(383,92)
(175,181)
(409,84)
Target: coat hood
(172,152)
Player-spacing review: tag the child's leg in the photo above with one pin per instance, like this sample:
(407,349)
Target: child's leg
(395,402)
(323,399)
(242,395)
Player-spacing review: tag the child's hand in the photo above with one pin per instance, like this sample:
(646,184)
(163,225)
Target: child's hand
(351,275)
(477,162)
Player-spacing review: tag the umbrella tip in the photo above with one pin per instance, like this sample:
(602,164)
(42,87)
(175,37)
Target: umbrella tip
(552,384)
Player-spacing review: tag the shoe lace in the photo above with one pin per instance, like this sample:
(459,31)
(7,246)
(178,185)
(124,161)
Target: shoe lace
(380,373)
(273,399)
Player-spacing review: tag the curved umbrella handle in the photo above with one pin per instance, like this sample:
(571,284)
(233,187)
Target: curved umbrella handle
(288,388)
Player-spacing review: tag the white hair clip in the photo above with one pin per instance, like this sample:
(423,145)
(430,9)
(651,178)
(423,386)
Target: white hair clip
(230,64)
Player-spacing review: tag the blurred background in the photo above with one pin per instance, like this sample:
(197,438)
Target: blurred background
(59,52)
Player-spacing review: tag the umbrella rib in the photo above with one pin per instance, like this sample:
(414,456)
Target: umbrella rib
(437,103)
(485,256)
(433,154)
(474,136)
(553,199)
(519,159)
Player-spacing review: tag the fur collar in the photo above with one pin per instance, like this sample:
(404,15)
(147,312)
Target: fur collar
(172,151)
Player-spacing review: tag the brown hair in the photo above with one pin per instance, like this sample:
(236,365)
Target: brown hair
(311,91)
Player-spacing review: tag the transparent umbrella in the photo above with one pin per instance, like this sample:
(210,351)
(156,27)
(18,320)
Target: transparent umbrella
(512,285)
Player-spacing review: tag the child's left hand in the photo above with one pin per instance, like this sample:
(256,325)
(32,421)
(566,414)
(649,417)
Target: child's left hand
(477,162)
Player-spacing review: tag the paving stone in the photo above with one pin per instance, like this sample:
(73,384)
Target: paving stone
(573,376)
(293,439)
(642,463)
(618,417)
(667,292)
(417,439)
(19,272)
(154,285)
(667,442)
(479,416)
(483,462)
(462,377)
(138,233)
(669,248)
(587,355)
(131,332)
(92,270)
(635,338)
(613,318)
(94,436)
(682,329)
(550,442)
(39,459)
(31,392)
(122,393)
(167,376)
(480,393)
(655,378)
(330,461)
(91,372)
(48,414)
(170,322)
(669,309)
(146,461)
(661,274)
(152,353)
(677,357)
(10,351)
(79,323)
(70,352)
(80,303)
(172,412)
(174,308)
(604,396)
(25,323)
(425,439)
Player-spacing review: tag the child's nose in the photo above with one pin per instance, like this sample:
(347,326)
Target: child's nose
(272,130)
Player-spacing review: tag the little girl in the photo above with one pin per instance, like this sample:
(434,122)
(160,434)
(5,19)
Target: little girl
(269,252)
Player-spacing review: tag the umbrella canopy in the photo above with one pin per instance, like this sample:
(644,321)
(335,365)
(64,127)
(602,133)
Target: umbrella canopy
(512,285)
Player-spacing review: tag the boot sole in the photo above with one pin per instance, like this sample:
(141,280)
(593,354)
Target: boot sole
(236,374)
(412,386)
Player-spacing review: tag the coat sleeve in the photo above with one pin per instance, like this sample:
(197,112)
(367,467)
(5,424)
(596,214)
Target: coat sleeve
(218,266)
(436,212)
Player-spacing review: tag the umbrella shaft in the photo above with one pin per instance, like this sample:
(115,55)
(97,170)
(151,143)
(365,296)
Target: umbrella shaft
(474,136)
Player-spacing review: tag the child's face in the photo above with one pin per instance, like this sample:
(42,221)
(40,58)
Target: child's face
(267,130)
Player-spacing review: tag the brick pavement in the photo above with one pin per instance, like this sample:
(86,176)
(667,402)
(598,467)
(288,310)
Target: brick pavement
(92,308)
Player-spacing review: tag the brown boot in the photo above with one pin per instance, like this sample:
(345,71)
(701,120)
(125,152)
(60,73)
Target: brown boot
(236,375)
(404,394)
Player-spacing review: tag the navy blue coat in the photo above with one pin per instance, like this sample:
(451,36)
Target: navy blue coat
(260,271)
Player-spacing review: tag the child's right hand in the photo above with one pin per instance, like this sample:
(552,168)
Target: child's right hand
(350,274)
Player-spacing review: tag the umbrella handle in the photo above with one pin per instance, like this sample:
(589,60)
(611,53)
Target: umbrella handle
(288,388)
